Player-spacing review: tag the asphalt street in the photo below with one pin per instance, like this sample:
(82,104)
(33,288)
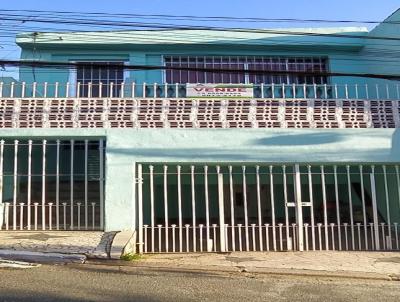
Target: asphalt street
(98,282)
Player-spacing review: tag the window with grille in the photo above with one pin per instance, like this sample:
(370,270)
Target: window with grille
(245,65)
(99,79)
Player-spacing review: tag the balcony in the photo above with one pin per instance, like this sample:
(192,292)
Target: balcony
(166,106)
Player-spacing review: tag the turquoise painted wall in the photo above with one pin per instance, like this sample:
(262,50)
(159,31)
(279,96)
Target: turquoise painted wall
(125,147)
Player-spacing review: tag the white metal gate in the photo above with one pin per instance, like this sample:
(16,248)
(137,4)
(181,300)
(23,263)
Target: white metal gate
(210,208)
(51,184)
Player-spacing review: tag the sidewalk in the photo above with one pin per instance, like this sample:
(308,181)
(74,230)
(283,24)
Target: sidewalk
(89,244)
(373,265)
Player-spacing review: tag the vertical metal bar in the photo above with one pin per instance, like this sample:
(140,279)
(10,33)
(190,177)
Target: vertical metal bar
(319,236)
(65,215)
(350,206)
(192,170)
(246,218)
(45,90)
(271,181)
(187,236)
(363,206)
(310,192)
(306,235)
(299,210)
(180,208)
(337,207)
(71,184)
(58,185)
(56,90)
(6,215)
(240,236)
(285,197)
(201,236)
(206,203)
(78,205)
(387,205)
(267,235)
(221,210)
(36,204)
(260,240)
(345,236)
(333,235)
(359,235)
(398,183)
(34,89)
(44,185)
(375,209)
(145,237)
(396,235)
(101,150)
(159,226)
(152,224)
(232,209)
(173,226)
(166,207)
(50,216)
(29,189)
(1,173)
(23,89)
(214,227)
(140,207)
(86,182)
(325,207)
(15,184)
(280,236)
(21,216)
(93,215)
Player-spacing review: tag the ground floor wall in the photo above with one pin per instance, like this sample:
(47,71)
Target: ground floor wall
(127,147)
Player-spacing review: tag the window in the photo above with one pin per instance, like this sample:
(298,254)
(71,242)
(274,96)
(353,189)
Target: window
(103,74)
(245,65)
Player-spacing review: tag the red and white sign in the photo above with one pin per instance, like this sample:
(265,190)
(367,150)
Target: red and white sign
(219,91)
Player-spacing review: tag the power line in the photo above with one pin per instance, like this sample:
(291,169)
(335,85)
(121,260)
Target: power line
(158,26)
(202,18)
(32,63)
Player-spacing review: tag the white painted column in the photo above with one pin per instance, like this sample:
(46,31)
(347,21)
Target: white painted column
(193,188)
(29,189)
(166,208)
(140,207)
(71,184)
(299,210)
(221,212)
(15,176)
(44,184)
(260,239)
(246,218)
(271,180)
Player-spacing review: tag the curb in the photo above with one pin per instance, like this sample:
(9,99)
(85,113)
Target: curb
(254,270)
(40,257)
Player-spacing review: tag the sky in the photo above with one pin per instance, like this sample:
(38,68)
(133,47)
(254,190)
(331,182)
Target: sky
(371,10)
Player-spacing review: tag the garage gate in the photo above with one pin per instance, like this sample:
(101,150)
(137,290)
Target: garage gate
(218,208)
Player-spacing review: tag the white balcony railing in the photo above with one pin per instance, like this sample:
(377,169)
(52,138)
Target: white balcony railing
(155,90)
(200,113)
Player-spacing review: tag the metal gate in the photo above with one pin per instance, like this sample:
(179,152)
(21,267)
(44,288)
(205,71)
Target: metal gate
(218,208)
(51,184)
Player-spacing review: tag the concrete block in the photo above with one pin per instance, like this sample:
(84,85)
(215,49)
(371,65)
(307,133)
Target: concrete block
(123,243)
